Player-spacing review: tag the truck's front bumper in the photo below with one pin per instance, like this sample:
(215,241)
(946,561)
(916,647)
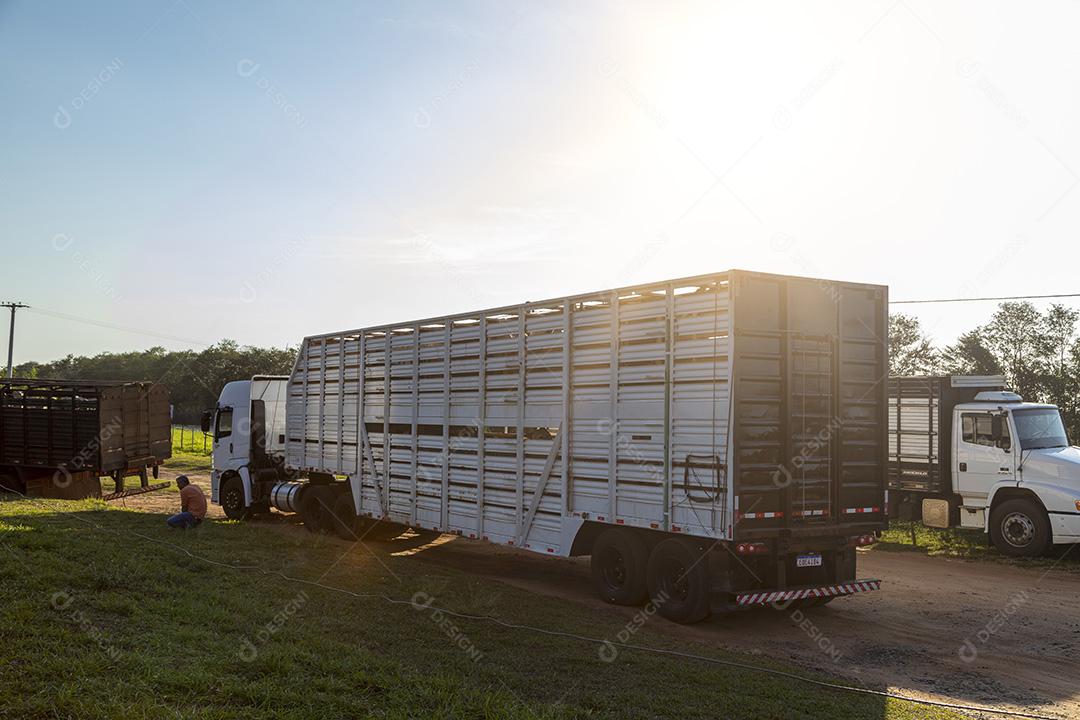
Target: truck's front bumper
(764,597)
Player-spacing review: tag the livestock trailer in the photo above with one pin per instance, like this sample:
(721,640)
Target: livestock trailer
(920,429)
(58,437)
(711,441)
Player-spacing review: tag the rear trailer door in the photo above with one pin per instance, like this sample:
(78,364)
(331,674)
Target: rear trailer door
(809,407)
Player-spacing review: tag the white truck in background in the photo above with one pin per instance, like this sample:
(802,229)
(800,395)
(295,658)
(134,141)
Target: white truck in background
(711,442)
(248,427)
(965,452)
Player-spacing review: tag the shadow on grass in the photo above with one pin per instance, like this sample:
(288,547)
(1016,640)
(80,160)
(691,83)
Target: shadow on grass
(251,644)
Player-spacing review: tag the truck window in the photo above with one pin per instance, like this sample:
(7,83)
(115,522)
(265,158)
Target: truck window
(224,424)
(1040,428)
(975,428)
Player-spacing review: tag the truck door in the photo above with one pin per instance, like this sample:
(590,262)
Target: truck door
(224,442)
(980,462)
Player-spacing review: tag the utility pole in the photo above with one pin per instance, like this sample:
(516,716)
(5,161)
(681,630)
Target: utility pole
(11,335)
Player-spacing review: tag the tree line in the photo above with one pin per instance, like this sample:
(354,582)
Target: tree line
(1037,352)
(194,378)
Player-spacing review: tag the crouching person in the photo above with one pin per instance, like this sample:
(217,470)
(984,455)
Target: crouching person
(192,505)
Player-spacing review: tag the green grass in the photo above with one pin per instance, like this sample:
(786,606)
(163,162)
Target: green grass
(191,450)
(191,441)
(140,629)
(966,545)
(189,463)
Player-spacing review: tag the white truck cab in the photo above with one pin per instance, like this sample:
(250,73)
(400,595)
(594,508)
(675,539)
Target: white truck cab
(248,427)
(982,458)
(1002,444)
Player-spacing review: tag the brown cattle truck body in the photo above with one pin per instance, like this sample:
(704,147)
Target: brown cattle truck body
(58,437)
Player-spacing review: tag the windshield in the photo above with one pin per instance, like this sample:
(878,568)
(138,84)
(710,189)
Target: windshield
(1039,428)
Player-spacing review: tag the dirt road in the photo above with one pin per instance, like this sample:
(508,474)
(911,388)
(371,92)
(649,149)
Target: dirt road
(978,633)
(971,632)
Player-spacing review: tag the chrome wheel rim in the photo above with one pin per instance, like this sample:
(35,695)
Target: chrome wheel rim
(1018,530)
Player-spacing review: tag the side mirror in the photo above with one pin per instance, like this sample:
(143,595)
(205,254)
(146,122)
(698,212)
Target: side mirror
(207,420)
(998,434)
(996,428)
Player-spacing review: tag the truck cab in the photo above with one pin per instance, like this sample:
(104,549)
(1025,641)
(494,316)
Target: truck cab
(974,455)
(248,427)
(1014,473)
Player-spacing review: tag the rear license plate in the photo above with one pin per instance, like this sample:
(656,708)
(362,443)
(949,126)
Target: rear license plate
(812,560)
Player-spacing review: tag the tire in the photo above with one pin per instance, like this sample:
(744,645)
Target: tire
(619,566)
(317,508)
(1020,528)
(678,580)
(343,519)
(232,499)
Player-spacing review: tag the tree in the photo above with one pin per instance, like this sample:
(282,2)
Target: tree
(1059,350)
(969,355)
(194,378)
(1015,336)
(910,350)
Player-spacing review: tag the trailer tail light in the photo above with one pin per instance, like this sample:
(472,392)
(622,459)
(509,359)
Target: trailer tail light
(863,540)
(751,548)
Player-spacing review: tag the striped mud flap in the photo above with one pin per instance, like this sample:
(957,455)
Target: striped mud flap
(761,597)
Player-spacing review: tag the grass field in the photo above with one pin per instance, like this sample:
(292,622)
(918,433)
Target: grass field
(101,616)
(190,450)
(965,544)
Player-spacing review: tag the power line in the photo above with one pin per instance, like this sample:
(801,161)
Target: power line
(111,326)
(981,299)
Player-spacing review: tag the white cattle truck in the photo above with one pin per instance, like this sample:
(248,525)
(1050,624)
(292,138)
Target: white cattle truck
(711,442)
(964,451)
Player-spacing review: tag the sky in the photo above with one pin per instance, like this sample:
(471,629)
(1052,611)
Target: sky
(175,172)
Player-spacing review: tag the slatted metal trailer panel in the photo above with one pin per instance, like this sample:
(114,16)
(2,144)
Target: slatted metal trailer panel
(516,424)
(102,426)
(920,428)
(609,406)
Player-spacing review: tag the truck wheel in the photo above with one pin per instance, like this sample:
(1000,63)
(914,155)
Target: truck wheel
(1020,528)
(317,508)
(232,499)
(343,519)
(619,565)
(678,579)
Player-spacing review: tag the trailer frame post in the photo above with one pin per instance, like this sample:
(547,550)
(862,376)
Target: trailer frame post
(361,425)
(520,420)
(481,425)
(415,419)
(568,398)
(388,353)
(613,426)
(447,410)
